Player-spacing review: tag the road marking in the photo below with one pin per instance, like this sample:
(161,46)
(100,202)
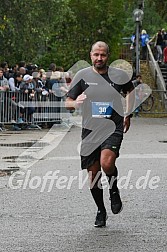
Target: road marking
(123,156)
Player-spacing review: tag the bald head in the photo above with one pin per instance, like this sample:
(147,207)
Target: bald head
(100,44)
(99,56)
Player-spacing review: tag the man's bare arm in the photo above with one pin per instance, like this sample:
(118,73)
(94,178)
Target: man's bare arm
(75,104)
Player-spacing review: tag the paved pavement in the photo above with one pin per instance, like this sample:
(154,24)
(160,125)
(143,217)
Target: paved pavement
(38,215)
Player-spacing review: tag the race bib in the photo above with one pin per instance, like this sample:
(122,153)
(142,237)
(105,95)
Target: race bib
(102,109)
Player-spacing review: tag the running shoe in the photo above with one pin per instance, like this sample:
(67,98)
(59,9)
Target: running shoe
(116,203)
(101,218)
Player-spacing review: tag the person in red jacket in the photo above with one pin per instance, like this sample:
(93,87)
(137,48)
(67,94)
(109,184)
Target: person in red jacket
(165,54)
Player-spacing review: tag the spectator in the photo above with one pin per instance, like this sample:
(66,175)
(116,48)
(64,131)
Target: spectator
(4,84)
(54,84)
(29,84)
(14,70)
(31,68)
(28,94)
(132,39)
(165,54)
(6,73)
(40,80)
(16,81)
(158,43)
(17,110)
(22,70)
(144,40)
(164,37)
(22,64)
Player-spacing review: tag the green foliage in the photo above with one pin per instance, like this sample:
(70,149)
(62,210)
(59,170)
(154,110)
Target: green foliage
(159,7)
(86,24)
(25,27)
(155,17)
(62,31)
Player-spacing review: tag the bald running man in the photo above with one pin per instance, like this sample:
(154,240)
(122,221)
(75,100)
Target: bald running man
(97,98)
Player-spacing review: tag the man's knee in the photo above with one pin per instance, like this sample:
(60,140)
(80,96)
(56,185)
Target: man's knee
(108,162)
(108,167)
(94,172)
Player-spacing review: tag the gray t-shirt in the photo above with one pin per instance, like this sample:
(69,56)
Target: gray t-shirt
(103,97)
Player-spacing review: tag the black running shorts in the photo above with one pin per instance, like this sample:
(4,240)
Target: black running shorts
(112,143)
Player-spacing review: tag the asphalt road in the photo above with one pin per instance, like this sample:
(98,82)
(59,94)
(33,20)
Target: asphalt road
(46,206)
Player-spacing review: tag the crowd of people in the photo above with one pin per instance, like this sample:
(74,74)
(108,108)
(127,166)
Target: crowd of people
(159,41)
(27,82)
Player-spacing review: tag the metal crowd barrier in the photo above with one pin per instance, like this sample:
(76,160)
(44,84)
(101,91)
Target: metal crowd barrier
(20,108)
(17,108)
(156,105)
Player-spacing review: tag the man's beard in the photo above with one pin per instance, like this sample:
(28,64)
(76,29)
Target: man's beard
(101,66)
